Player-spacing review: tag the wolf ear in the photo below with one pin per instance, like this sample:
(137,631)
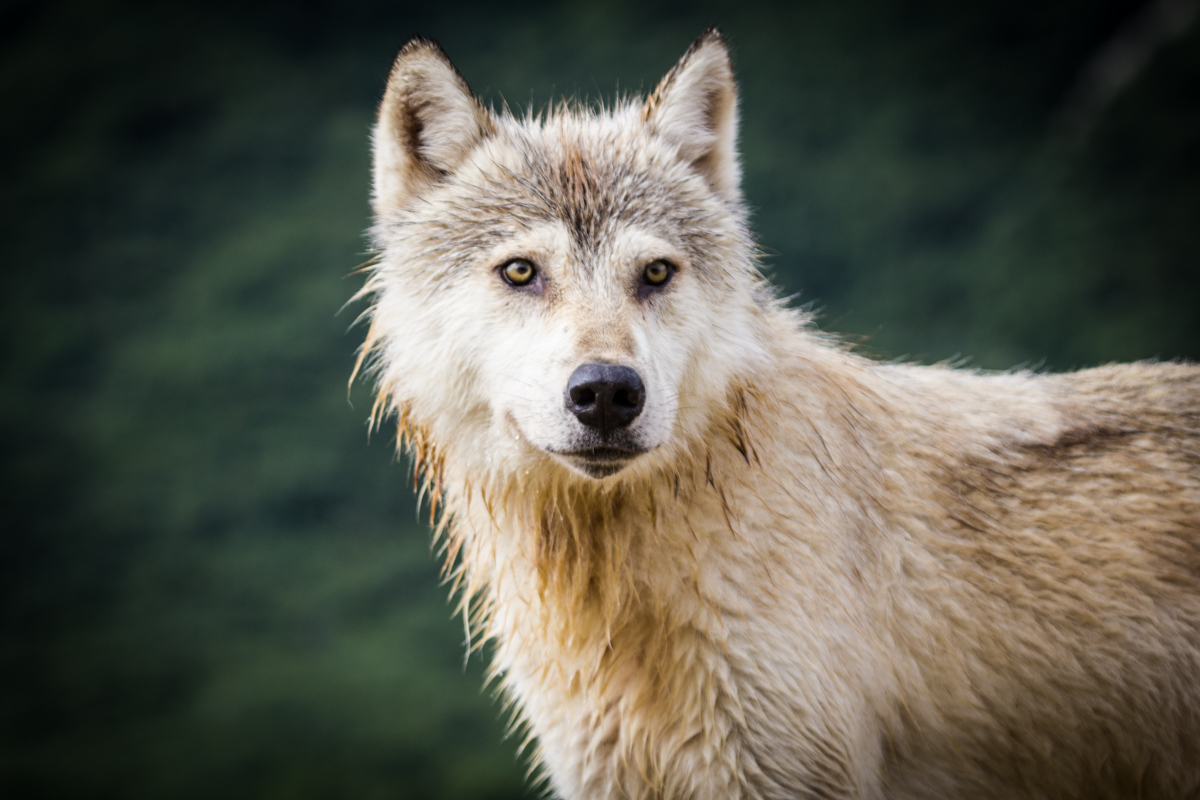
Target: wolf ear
(695,107)
(428,121)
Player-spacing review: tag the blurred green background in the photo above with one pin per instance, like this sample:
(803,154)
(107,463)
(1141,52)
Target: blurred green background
(211,584)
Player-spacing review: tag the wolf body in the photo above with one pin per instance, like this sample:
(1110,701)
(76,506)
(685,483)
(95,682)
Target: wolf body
(768,567)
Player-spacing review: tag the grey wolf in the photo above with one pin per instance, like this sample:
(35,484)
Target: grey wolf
(718,553)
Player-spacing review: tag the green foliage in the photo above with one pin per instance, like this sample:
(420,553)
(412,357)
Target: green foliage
(212,585)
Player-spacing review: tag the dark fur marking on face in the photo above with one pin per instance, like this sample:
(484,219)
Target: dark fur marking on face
(592,196)
(583,204)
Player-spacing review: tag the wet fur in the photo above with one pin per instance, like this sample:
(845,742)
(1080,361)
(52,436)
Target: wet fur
(830,577)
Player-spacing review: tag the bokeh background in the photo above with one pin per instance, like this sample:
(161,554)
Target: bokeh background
(212,585)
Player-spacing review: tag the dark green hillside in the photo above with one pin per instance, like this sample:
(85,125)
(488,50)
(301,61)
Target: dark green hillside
(211,584)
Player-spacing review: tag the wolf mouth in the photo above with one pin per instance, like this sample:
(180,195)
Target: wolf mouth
(603,454)
(600,462)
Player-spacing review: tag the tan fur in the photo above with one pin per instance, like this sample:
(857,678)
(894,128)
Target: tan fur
(828,577)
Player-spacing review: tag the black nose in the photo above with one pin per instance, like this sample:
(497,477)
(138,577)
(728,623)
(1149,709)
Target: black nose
(605,396)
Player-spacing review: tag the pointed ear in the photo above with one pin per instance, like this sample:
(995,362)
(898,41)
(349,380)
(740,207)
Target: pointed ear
(695,107)
(428,121)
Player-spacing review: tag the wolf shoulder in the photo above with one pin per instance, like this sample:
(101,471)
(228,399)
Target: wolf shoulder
(1139,405)
(1105,457)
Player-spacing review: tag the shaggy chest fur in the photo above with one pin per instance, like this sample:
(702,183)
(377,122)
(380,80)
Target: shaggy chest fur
(708,675)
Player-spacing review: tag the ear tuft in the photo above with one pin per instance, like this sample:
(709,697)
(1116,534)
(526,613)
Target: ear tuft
(428,122)
(695,107)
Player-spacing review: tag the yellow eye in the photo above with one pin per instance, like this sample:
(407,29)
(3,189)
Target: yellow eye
(518,272)
(657,273)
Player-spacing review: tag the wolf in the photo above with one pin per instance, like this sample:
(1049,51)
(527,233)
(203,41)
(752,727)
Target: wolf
(719,554)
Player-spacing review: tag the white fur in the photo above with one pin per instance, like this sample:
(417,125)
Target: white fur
(826,577)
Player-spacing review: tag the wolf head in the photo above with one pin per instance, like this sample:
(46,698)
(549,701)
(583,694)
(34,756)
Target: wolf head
(572,291)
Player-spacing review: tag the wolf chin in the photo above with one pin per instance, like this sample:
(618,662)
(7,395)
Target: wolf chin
(718,554)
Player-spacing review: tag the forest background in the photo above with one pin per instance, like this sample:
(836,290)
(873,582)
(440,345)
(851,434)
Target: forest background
(212,585)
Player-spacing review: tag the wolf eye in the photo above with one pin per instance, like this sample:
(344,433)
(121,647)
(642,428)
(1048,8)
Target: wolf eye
(656,273)
(518,272)
(655,276)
